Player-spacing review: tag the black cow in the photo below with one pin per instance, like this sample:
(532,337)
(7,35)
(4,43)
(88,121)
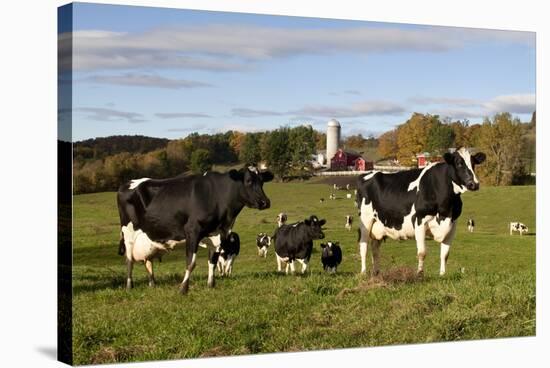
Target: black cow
(263,241)
(331,256)
(295,242)
(405,204)
(156,215)
(225,256)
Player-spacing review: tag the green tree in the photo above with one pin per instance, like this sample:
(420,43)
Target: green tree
(301,145)
(440,138)
(276,151)
(500,138)
(200,161)
(250,150)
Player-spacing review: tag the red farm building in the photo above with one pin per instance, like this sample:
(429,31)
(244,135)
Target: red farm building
(343,161)
(425,158)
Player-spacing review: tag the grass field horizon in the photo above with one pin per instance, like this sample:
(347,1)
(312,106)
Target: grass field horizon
(488,292)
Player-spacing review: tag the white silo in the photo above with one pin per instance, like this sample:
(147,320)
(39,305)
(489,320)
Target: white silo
(333,139)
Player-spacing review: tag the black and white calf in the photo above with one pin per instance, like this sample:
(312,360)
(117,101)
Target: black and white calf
(471,225)
(225,257)
(349,221)
(331,256)
(263,241)
(332,196)
(281,219)
(156,215)
(406,204)
(518,227)
(294,242)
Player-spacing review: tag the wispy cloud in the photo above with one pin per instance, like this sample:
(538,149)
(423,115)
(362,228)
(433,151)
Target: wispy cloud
(464,102)
(232,47)
(187,129)
(251,113)
(517,104)
(177,115)
(365,108)
(145,80)
(104,114)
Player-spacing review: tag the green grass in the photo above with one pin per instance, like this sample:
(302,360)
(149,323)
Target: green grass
(488,292)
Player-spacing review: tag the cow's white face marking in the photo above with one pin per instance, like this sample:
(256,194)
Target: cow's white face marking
(368,176)
(458,189)
(136,182)
(253,169)
(463,152)
(416,183)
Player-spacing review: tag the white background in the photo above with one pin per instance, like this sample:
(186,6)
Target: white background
(28,181)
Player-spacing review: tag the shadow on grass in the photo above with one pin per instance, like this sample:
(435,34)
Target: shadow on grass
(386,279)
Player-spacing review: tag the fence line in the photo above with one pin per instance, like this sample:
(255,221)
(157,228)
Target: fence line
(357,172)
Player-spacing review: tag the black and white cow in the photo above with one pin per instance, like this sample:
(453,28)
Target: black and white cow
(263,241)
(332,196)
(406,204)
(471,225)
(158,214)
(294,242)
(331,256)
(349,221)
(518,227)
(281,219)
(225,257)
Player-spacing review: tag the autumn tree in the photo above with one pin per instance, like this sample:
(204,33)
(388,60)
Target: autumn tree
(412,137)
(387,144)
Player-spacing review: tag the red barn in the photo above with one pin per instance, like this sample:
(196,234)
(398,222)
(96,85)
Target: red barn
(423,159)
(343,161)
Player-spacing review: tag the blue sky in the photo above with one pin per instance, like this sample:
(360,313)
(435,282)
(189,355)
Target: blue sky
(170,72)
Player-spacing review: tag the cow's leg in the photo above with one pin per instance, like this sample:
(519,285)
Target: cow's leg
(363,238)
(445,247)
(149,268)
(191,250)
(279,263)
(304,265)
(420,236)
(287,267)
(213,258)
(129,268)
(292,269)
(375,253)
(229,265)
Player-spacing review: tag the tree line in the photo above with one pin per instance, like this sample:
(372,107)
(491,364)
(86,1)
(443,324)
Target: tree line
(508,143)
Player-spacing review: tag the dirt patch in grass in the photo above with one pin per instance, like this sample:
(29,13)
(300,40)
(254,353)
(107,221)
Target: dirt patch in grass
(386,279)
(216,351)
(109,354)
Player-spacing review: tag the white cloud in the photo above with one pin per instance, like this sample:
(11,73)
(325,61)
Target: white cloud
(365,108)
(232,47)
(176,115)
(104,114)
(145,80)
(251,113)
(515,104)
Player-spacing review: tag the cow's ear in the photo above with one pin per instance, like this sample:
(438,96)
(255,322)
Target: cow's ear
(448,157)
(266,176)
(236,175)
(479,158)
(322,222)
(307,222)
(323,245)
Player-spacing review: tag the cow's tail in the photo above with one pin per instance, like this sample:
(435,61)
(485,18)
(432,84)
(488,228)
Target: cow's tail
(121,245)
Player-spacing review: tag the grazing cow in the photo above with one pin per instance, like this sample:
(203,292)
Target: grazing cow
(331,256)
(349,221)
(348,196)
(295,242)
(156,215)
(518,227)
(406,204)
(321,200)
(263,241)
(281,219)
(471,225)
(332,196)
(347,187)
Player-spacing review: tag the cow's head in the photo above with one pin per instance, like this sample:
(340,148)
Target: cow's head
(314,226)
(281,219)
(462,166)
(252,192)
(329,247)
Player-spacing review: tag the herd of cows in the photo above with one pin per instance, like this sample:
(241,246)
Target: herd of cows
(157,215)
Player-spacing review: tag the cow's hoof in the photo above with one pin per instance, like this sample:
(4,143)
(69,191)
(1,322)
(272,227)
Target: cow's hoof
(184,288)
(151,284)
(420,273)
(129,284)
(211,283)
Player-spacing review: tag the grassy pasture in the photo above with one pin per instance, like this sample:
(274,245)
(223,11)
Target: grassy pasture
(488,292)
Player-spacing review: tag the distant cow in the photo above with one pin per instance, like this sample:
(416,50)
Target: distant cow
(348,196)
(471,225)
(156,215)
(347,187)
(281,219)
(331,256)
(406,204)
(349,221)
(332,196)
(295,242)
(224,259)
(263,241)
(518,227)
(321,200)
